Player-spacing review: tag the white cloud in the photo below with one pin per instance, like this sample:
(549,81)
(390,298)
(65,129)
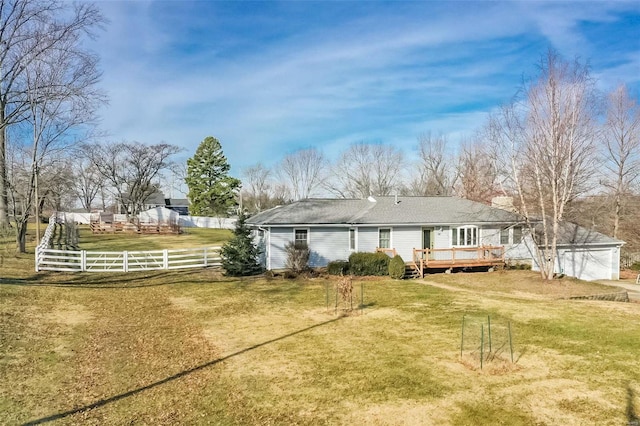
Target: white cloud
(382,75)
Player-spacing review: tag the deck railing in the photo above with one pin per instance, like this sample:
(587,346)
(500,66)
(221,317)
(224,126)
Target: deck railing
(391,252)
(458,257)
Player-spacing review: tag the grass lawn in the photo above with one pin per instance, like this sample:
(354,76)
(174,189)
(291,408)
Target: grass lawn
(192,347)
(190,237)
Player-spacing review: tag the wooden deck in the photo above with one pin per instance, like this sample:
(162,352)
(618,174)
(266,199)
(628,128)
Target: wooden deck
(456,257)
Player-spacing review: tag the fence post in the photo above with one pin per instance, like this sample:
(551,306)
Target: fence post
(489,330)
(462,338)
(165,259)
(510,343)
(125,261)
(481,344)
(37,258)
(83,260)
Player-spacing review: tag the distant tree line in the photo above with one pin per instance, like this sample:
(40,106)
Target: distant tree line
(561,149)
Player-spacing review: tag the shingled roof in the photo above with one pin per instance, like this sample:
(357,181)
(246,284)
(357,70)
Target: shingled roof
(570,234)
(384,211)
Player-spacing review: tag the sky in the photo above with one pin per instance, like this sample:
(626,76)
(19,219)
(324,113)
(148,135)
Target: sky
(269,78)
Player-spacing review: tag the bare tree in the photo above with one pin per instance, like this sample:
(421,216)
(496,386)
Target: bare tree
(303,172)
(60,97)
(476,173)
(434,174)
(257,189)
(367,169)
(56,185)
(33,31)
(621,145)
(86,182)
(545,144)
(130,168)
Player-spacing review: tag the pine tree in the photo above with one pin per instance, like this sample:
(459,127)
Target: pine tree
(211,189)
(240,254)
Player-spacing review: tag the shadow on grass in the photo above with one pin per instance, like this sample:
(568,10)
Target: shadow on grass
(133,392)
(110,280)
(632,416)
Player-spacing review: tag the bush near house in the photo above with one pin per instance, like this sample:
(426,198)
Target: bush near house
(396,267)
(369,264)
(297,257)
(239,255)
(338,267)
(635,266)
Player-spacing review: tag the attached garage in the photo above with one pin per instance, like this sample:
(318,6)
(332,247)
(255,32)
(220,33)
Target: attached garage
(590,264)
(586,254)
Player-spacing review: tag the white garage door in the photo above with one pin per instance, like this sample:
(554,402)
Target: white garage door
(587,264)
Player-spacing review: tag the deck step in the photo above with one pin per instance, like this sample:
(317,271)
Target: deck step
(410,272)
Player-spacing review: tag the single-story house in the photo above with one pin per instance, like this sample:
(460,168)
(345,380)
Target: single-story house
(428,232)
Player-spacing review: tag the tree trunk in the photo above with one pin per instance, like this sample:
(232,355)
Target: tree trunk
(21,237)
(4,198)
(616,216)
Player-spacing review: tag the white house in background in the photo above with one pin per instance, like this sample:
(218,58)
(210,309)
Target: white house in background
(428,232)
(158,216)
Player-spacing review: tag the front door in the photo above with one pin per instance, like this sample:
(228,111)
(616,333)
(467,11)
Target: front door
(427,240)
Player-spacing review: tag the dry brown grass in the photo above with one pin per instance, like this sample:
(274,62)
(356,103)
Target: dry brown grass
(196,348)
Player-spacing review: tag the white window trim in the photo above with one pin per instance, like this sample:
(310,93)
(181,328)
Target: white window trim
(308,235)
(509,237)
(456,229)
(513,237)
(355,239)
(511,240)
(390,236)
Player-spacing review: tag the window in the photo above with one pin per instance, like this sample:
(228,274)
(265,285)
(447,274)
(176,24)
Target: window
(352,239)
(465,236)
(301,238)
(504,236)
(384,238)
(517,234)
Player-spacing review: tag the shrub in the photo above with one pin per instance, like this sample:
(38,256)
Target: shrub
(635,266)
(290,275)
(369,264)
(297,257)
(338,267)
(396,267)
(239,255)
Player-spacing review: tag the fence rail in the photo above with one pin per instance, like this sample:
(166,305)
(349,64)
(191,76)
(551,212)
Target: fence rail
(626,260)
(125,261)
(48,259)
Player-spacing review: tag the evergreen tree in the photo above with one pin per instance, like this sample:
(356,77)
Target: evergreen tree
(211,189)
(240,255)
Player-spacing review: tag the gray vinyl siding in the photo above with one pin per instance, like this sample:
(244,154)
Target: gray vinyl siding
(368,238)
(442,237)
(332,243)
(442,240)
(277,240)
(328,244)
(490,236)
(404,239)
(524,251)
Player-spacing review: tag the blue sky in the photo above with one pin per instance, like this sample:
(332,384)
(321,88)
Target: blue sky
(268,78)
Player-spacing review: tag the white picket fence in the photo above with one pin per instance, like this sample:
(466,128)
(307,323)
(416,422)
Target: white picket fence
(126,261)
(183,221)
(48,259)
